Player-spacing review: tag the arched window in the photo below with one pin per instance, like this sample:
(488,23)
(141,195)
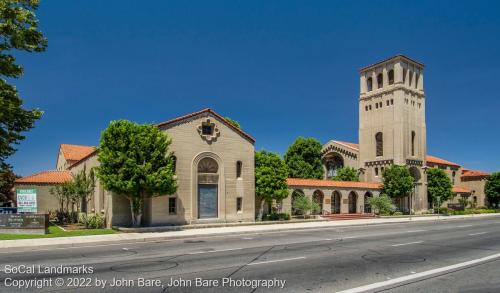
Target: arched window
(380,80)
(413,143)
(391,76)
(369,84)
(208,188)
(376,171)
(379,144)
(417,76)
(239,166)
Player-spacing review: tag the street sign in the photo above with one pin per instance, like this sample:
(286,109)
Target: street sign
(26,200)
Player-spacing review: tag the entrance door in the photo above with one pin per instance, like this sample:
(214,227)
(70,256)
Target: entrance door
(207,201)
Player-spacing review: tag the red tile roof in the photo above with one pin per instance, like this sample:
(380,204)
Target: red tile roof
(458,189)
(474,173)
(349,144)
(208,110)
(439,161)
(331,183)
(46,177)
(74,153)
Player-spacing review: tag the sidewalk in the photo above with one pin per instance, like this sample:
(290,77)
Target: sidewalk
(122,238)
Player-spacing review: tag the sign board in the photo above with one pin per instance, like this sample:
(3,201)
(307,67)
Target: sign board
(24,223)
(8,210)
(26,201)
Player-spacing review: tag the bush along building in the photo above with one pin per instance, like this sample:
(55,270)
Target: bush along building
(215,168)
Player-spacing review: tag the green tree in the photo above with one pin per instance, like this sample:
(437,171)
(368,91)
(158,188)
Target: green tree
(303,159)
(397,181)
(233,122)
(18,31)
(438,184)
(64,193)
(346,174)
(135,163)
(304,205)
(84,185)
(7,178)
(270,179)
(492,188)
(382,204)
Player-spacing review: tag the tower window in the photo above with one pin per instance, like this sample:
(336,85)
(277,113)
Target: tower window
(380,80)
(417,76)
(453,177)
(376,171)
(413,143)
(366,108)
(379,144)
(239,204)
(376,105)
(387,102)
(404,75)
(392,102)
(239,166)
(369,84)
(370,107)
(391,76)
(411,77)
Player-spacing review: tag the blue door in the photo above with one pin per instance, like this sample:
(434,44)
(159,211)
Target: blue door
(207,201)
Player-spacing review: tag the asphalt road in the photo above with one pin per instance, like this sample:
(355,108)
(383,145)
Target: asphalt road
(464,256)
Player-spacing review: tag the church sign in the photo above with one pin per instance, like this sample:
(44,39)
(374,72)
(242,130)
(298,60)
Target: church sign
(26,201)
(24,223)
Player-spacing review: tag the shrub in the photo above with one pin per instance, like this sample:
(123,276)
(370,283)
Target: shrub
(95,221)
(398,213)
(82,218)
(382,205)
(276,217)
(445,211)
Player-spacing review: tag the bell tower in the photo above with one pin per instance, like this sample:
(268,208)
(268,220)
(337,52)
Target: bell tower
(392,121)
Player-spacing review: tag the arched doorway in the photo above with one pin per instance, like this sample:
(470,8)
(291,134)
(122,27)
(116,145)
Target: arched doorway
(318,198)
(353,198)
(208,188)
(368,207)
(295,194)
(336,198)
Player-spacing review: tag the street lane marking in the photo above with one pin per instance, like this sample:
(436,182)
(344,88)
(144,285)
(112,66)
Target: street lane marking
(271,261)
(479,233)
(463,226)
(247,238)
(212,251)
(415,231)
(401,244)
(419,275)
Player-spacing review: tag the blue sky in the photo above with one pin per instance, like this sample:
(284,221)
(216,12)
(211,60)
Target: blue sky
(281,68)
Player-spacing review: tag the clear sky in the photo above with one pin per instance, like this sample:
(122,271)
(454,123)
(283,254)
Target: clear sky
(281,68)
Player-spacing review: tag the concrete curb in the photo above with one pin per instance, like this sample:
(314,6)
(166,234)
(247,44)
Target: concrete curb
(127,238)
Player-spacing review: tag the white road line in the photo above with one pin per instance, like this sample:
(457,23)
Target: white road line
(328,239)
(415,231)
(247,238)
(479,233)
(271,261)
(212,251)
(349,237)
(463,226)
(401,244)
(418,275)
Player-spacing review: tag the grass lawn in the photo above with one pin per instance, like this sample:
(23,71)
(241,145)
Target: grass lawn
(55,231)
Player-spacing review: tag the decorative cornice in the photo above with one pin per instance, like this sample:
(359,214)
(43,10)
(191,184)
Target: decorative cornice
(334,148)
(379,163)
(414,162)
(379,92)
